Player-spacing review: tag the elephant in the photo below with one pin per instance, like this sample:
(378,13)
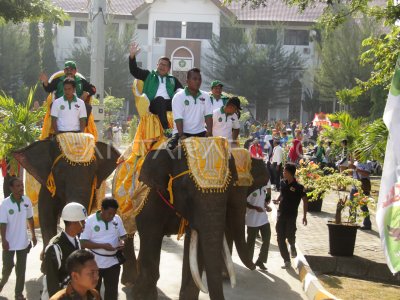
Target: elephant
(73,181)
(209,215)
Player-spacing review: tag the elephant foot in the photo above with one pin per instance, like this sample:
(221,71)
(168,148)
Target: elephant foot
(145,294)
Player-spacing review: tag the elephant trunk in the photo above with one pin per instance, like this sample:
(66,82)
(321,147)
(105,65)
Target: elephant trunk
(236,227)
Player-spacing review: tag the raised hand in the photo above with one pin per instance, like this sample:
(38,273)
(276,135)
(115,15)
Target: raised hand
(134,49)
(43,78)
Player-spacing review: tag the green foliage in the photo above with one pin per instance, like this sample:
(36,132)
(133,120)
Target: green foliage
(238,62)
(19,124)
(49,63)
(371,144)
(117,79)
(112,107)
(32,60)
(18,11)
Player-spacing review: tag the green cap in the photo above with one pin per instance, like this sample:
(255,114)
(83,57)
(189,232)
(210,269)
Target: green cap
(216,83)
(70,64)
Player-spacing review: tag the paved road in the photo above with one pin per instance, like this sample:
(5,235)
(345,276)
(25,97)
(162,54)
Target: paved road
(251,285)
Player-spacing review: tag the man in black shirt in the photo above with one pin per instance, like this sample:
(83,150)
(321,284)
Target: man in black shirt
(289,200)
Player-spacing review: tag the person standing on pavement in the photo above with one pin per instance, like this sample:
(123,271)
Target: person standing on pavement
(84,274)
(296,151)
(361,172)
(276,164)
(15,211)
(257,221)
(60,248)
(289,200)
(104,235)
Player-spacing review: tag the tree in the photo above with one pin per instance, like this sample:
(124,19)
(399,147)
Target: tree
(13,51)
(18,11)
(117,79)
(239,62)
(32,60)
(340,69)
(113,107)
(49,63)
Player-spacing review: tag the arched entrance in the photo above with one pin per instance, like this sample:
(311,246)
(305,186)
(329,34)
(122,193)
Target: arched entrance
(182,59)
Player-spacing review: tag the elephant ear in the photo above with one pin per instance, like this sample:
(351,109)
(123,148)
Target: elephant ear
(156,169)
(106,157)
(36,159)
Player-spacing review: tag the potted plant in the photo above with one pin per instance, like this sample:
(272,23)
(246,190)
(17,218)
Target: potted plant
(342,233)
(308,174)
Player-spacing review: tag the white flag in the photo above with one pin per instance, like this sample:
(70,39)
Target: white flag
(388,213)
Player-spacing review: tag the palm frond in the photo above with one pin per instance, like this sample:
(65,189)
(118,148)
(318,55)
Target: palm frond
(372,141)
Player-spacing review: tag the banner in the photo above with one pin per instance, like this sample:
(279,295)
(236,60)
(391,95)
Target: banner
(388,212)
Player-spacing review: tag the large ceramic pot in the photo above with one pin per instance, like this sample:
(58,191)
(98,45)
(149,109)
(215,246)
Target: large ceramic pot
(342,238)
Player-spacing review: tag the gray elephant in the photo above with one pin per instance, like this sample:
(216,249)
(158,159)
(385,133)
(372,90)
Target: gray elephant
(209,215)
(73,182)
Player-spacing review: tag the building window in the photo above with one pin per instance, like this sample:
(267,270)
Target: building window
(143,26)
(232,35)
(296,37)
(266,36)
(199,30)
(168,29)
(80,29)
(67,23)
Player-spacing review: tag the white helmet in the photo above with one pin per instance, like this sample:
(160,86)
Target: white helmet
(74,212)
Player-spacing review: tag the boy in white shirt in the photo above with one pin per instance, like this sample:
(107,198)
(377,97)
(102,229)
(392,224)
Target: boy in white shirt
(225,120)
(257,221)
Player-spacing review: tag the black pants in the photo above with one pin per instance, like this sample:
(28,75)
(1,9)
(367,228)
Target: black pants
(277,171)
(159,106)
(265,231)
(173,142)
(286,229)
(110,276)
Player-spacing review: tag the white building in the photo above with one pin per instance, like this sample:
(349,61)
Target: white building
(182,29)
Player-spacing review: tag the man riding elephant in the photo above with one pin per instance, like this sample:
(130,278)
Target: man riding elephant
(159,85)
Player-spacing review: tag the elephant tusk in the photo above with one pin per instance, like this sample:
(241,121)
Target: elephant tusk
(226,254)
(194,266)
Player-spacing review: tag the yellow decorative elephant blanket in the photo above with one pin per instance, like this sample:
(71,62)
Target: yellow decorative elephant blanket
(243,166)
(77,147)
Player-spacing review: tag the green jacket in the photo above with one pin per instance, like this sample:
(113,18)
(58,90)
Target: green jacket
(151,84)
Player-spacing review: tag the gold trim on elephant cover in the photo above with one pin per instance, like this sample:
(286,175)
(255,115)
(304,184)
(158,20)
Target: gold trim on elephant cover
(243,166)
(77,147)
(208,161)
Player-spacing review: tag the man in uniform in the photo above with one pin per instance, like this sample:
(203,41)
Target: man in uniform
(289,200)
(159,85)
(84,274)
(103,235)
(225,120)
(15,212)
(191,108)
(217,99)
(61,246)
(68,113)
(83,88)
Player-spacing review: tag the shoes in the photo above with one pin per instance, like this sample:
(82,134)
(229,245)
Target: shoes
(287,265)
(365,228)
(293,252)
(261,265)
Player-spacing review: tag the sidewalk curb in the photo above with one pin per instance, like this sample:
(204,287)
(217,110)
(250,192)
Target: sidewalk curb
(311,285)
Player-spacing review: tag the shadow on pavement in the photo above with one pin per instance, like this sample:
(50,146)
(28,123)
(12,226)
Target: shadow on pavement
(33,288)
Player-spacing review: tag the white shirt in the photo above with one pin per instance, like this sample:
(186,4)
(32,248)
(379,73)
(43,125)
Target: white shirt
(15,217)
(257,198)
(68,114)
(217,103)
(277,155)
(223,124)
(192,111)
(98,231)
(162,88)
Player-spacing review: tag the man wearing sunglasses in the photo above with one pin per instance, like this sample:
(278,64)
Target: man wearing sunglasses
(60,247)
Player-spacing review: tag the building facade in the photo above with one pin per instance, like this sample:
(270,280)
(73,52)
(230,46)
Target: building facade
(182,30)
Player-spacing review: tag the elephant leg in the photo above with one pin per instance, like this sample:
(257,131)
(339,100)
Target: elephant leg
(189,290)
(148,264)
(129,271)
